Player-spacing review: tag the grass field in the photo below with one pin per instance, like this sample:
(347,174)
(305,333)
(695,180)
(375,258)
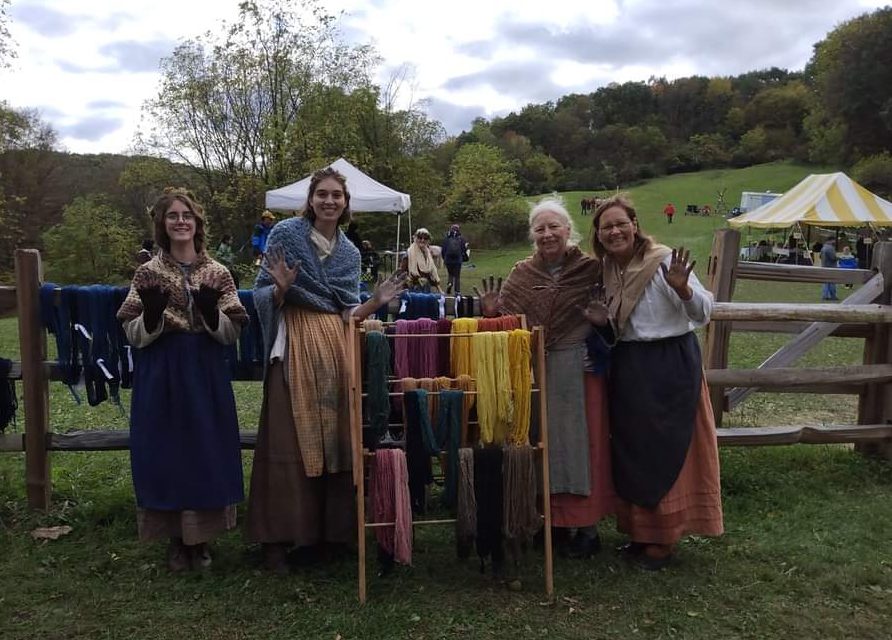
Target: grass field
(694,232)
(806,553)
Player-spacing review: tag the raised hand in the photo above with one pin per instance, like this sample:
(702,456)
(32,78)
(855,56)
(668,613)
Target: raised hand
(678,271)
(489,298)
(276,267)
(596,311)
(387,290)
(154,300)
(206,299)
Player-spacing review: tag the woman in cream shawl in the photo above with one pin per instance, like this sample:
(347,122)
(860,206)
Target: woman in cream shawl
(420,263)
(663,440)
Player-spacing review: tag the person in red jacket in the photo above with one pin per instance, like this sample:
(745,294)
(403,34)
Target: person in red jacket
(669,211)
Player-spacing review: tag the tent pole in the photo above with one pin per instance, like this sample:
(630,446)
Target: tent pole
(399,220)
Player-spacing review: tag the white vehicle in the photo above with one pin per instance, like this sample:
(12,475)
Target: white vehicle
(752,200)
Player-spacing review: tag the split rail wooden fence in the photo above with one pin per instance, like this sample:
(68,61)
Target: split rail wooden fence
(866,315)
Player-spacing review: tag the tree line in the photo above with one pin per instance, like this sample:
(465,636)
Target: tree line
(264,100)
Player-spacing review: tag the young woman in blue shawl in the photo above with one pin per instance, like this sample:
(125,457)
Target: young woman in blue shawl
(302,484)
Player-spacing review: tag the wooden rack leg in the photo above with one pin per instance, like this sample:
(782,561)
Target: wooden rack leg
(354,357)
(546,483)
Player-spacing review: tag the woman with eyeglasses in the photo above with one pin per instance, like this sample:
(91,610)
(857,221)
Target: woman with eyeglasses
(663,439)
(180,314)
(419,263)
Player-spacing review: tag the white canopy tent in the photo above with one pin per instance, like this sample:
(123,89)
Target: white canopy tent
(366,194)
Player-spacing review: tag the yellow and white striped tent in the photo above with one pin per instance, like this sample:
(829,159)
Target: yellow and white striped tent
(824,199)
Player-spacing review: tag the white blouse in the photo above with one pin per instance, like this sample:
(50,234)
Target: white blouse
(661,313)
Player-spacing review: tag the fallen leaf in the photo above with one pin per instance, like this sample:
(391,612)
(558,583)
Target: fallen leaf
(50,533)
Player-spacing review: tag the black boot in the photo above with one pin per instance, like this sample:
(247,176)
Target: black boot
(584,545)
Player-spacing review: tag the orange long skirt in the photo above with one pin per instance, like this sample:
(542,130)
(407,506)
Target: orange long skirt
(569,510)
(694,503)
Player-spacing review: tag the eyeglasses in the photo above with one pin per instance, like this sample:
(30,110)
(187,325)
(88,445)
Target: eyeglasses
(173,216)
(607,228)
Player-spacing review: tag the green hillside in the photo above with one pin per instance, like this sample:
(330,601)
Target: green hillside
(681,189)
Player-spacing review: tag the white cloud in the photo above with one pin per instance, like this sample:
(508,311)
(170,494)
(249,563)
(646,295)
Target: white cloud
(90,65)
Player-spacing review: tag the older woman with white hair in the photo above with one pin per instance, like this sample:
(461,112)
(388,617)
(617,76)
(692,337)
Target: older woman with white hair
(552,287)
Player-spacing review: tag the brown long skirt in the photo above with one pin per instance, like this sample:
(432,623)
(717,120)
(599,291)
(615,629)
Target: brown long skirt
(284,505)
(694,503)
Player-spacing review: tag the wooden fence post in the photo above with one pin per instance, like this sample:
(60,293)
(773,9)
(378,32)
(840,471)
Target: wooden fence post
(32,341)
(875,404)
(722,273)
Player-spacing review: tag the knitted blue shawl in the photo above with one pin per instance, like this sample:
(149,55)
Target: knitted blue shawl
(329,286)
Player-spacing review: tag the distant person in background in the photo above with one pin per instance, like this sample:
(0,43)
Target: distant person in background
(145,252)
(261,235)
(669,212)
(816,252)
(420,265)
(847,260)
(829,259)
(353,236)
(455,252)
(226,256)
(371,262)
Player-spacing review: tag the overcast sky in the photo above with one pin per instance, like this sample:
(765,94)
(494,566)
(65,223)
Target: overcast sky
(88,65)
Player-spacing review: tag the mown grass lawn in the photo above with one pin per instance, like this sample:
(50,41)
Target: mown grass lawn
(806,554)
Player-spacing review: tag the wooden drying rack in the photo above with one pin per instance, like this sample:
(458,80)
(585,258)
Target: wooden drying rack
(359,453)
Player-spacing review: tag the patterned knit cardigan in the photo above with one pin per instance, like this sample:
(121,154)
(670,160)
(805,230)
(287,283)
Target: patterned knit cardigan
(180,314)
